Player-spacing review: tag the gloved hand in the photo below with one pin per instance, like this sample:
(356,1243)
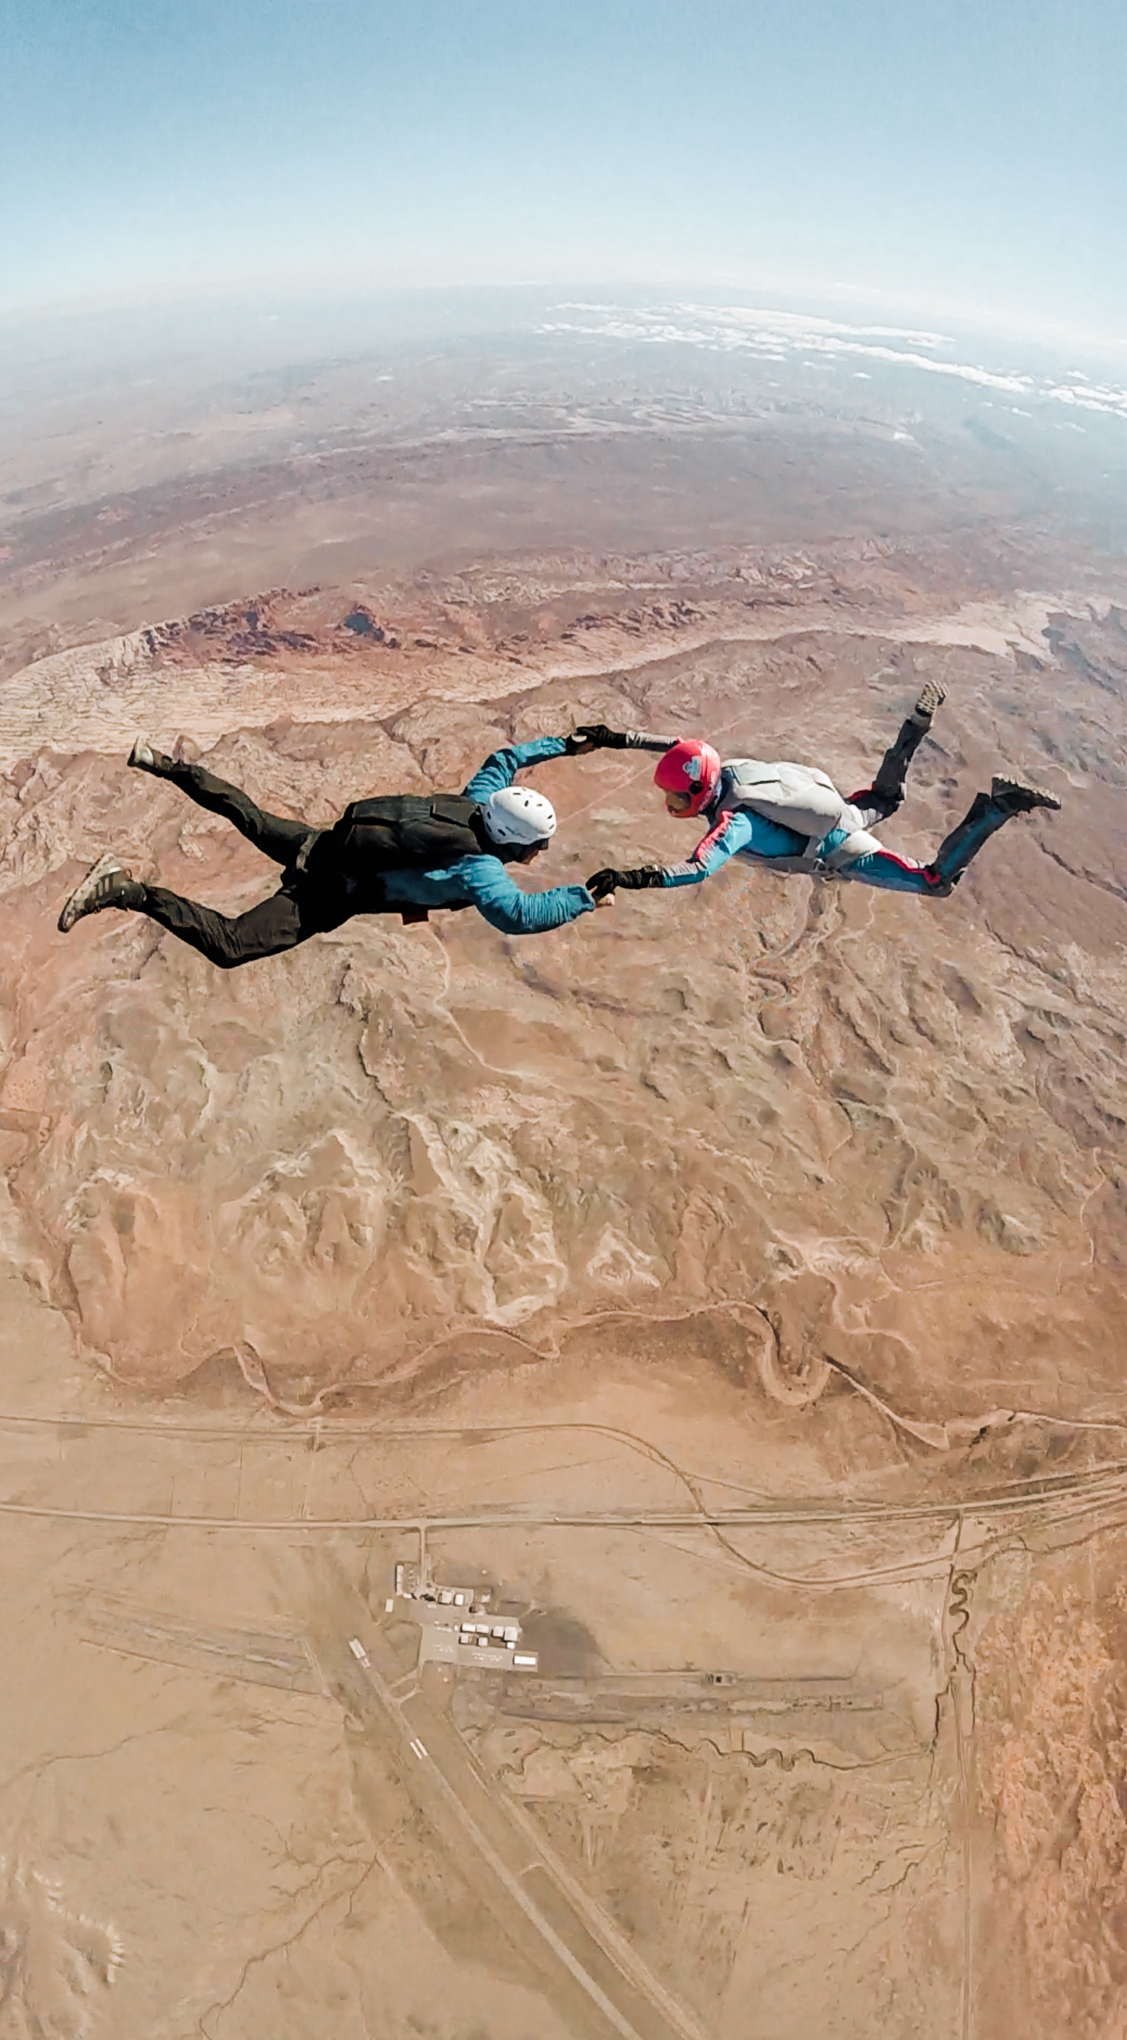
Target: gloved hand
(607,880)
(595,736)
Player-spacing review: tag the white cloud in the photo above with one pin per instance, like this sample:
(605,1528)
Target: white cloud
(775,336)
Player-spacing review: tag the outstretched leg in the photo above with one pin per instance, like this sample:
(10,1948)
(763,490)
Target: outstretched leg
(276,837)
(988,812)
(883,797)
(290,916)
(275,925)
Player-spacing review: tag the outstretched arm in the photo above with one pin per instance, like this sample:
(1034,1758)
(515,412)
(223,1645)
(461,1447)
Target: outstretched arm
(513,912)
(501,767)
(597,737)
(732,833)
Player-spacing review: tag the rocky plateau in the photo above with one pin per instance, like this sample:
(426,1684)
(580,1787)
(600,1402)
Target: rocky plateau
(869,1135)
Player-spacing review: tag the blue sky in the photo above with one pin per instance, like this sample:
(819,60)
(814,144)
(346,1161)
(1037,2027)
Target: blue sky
(966,158)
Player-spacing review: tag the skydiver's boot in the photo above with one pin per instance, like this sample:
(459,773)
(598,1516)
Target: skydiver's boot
(933,694)
(887,789)
(146,758)
(106,884)
(988,813)
(1019,799)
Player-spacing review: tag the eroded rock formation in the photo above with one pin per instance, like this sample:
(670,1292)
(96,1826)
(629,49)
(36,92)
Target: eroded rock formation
(868,1130)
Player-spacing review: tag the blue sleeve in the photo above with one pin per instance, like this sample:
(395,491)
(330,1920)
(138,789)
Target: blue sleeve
(489,888)
(732,833)
(501,767)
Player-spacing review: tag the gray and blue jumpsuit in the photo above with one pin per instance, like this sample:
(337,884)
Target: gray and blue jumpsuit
(317,893)
(735,831)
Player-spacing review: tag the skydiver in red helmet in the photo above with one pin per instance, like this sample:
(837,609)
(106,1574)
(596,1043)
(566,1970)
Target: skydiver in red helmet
(791,818)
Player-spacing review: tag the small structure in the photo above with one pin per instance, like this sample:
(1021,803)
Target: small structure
(459,1628)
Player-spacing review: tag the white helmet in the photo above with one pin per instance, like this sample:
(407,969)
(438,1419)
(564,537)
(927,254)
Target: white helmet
(514,815)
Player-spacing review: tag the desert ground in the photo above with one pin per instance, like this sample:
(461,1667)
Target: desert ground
(724,1295)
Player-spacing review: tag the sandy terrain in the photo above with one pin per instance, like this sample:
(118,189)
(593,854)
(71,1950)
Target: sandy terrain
(733,1282)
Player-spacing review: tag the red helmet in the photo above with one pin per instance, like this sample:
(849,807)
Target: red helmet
(691,767)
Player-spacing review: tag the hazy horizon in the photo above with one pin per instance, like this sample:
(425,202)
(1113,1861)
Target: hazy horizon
(920,158)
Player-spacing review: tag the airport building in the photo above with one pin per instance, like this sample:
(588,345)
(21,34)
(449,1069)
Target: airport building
(459,1627)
